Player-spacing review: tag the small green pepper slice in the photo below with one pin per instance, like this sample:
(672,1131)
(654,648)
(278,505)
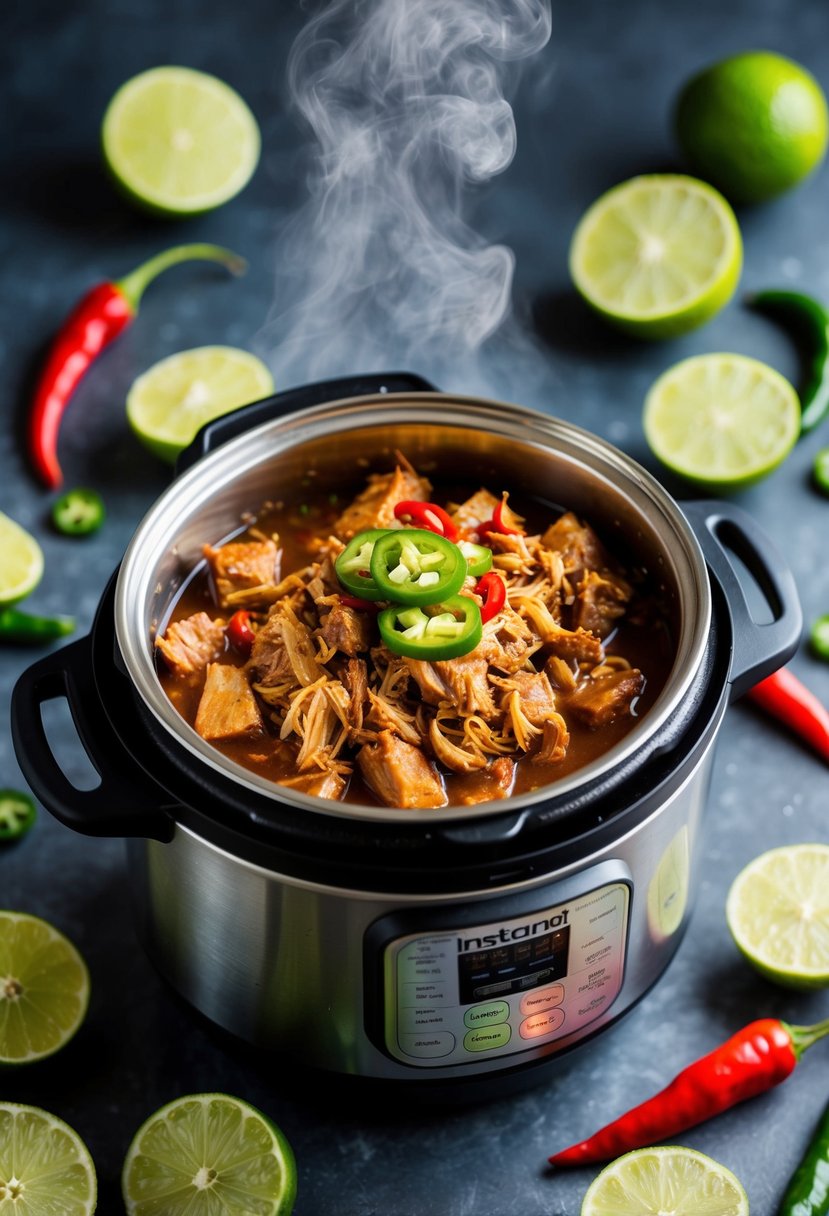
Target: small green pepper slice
(478,557)
(78,512)
(819,637)
(443,631)
(353,565)
(820,470)
(415,566)
(17,814)
(16,626)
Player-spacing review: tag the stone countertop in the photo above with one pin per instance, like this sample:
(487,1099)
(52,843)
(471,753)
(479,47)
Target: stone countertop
(591,110)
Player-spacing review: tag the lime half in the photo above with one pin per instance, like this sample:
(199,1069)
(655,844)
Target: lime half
(662,1181)
(44,989)
(657,255)
(778,913)
(45,1167)
(176,397)
(178,141)
(205,1155)
(721,421)
(21,561)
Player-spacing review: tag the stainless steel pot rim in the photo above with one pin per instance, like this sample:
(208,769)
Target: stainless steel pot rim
(158,530)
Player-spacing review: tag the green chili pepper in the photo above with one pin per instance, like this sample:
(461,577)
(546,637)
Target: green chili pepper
(415,566)
(820,470)
(443,631)
(811,320)
(353,565)
(808,1191)
(478,557)
(17,814)
(819,637)
(23,627)
(78,512)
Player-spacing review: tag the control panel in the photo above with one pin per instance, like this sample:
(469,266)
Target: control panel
(464,994)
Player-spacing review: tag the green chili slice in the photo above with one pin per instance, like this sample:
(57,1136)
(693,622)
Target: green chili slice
(811,321)
(17,814)
(808,1191)
(819,637)
(440,631)
(78,512)
(478,557)
(353,565)
(820,470)
(415,566)
(16,626)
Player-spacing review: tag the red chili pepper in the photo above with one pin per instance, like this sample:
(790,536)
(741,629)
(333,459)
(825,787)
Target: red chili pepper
(239,632)
(498,523)
(354,601)
(784,697)
(103,313)
(755,1059)
(427,515)
(492,590)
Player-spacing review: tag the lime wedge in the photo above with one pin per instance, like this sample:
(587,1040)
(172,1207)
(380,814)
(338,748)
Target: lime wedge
(778,913)
(657,255)
(179,142)
(176,397)
(206,1154)
(662,1181)
(721,421)
(45,1167)
(21,561)
(44,989)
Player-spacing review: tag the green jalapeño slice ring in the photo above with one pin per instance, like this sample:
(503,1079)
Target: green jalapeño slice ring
(352,567)
(478,557)
(445,631)
(17,814)
(414,566)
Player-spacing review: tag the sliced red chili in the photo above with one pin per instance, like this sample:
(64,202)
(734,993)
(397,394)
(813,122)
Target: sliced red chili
(503,520)
(240,633)
(354,601)
(492,590)
(427,515)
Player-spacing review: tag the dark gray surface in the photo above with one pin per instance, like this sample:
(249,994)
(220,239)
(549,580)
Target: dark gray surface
(593,109)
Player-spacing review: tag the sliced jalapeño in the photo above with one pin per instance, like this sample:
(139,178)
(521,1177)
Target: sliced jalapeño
(441,631)
(414,566)
(353,566)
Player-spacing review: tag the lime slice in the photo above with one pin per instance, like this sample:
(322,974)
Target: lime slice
(721,421)
(179,142)
(21,561)
(45,1167)
(778,913)
(670,1181)
(176,397)
(44,989)
(205,1155)
(657,255)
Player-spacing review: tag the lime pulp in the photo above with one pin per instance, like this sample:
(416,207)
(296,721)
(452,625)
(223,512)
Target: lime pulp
(670,1179)
(45,1167)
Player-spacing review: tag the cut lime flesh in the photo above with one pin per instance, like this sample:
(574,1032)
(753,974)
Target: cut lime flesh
(657,255)
(45,1167)
(180,141)
(205,1155)
(665,1181)
(21,562)
(169,404)
(778,914)
(44,989)
(722,421)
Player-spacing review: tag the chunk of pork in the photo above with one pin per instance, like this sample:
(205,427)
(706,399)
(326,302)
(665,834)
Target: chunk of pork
(399,773)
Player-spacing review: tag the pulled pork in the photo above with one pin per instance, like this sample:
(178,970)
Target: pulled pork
(322,687)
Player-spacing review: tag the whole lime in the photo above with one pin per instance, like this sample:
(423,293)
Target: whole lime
(755,125)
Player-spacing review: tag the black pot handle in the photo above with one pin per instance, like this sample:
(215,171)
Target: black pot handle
(758,648)
(127,802)
(214,434)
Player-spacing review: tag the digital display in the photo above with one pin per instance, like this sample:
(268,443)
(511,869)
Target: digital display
(514,967)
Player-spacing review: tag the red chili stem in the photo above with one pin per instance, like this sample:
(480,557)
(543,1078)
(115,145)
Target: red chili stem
(96,320)
(427,515)
(755,1059)
(492,590)
(784,697)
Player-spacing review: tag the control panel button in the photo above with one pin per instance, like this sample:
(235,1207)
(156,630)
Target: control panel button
(427,1046)
(541,1023)
(487,1038)
(486,1015)
(539,1002)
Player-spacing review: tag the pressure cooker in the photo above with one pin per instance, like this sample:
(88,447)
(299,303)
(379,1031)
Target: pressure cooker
(448,950)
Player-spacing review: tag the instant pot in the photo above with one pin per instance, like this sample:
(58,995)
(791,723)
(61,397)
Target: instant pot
(446,949)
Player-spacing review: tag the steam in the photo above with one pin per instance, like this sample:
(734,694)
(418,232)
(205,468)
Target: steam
(406,102)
